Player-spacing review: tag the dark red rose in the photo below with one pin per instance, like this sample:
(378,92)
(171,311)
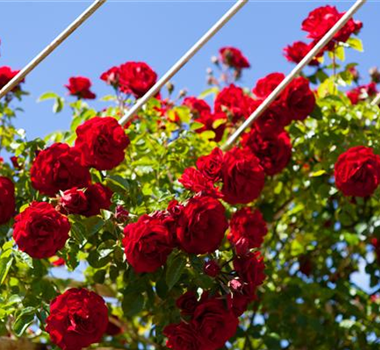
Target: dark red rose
(193,180)
(147,244)
(361,93)
(211,165)
(6,75)
(232,101)
(233,58)
(211,268)
(121,214)
(214,322)
(101,142)
(7,200)
(250,269)
(183,336)
(88,201)
(376,245)
(78,318)
(58,167)
(274,150)
(137,77)
(114,327)
(299,98)
(40,230)
(243,177)
(266,85)
(15,162)
(80,87)
(187,303)
(196,105)
(298,50)
(215,122)
(239,302)
(357,172)
(202,225)
(111,77)
(247,230)
(323,18)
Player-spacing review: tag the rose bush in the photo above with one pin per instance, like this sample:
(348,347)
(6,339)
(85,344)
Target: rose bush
(151,236)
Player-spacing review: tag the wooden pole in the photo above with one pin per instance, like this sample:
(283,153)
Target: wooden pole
(183,60)
(282,86)
(51,47)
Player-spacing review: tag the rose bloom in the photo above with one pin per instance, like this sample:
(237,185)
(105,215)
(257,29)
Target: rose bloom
(215,322)
(58,167)
(209,120)
(111,77)
(196,105)
(298,50)
(193,180)
(361,93)
(357,172)
(6,75)
(299,98)
(201,227)
(233,58)
(232,101)
(88,201)
(243,177)
(247,230)
(274,150)
(78,318)
(211,165)
(40,230)
(187,303)
(136,77)
(323,18)
(266,85)
(7,200)
(376,245)
(211,268)
(147,244)
(183,336)
(101,142)
(80,87)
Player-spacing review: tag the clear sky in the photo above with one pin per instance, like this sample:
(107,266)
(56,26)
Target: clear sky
(157,32)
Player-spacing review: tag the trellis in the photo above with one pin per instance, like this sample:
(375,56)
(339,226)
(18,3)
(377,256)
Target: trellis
(8,344)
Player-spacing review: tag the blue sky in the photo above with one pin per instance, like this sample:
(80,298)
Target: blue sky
(157,32)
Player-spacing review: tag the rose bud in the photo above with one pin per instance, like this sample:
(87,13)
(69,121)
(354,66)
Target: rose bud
(211,268)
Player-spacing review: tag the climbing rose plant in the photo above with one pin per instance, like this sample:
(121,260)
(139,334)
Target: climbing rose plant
(150,236)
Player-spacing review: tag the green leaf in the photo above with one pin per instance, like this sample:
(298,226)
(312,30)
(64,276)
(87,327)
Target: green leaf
(5,265)
(47,96)
(213,90)
(175,270)
(58,105)
(356,44)
(24,320)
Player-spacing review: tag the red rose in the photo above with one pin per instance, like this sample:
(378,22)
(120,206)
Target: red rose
(211,165)
(361,93)
(209,120)
(266,85)
(58,168)
(6,75)
(211,268)
(7,200)
(215,322)
(233,58)
(323,18)
(273,150)
(376,245)
(243,177)
(121,214)
(147,244)
(114,327)
(183,336)
(80,87)
(101,142)
(40,230)
(299,98)
(187,303)
(232,101)
(247,230)
(88,201)
(111,76)
(298,50)
(357,172)
(193,180)
(137,77)
(202,225)
(78,318)
(196,105)
(15,162)
(250,269)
